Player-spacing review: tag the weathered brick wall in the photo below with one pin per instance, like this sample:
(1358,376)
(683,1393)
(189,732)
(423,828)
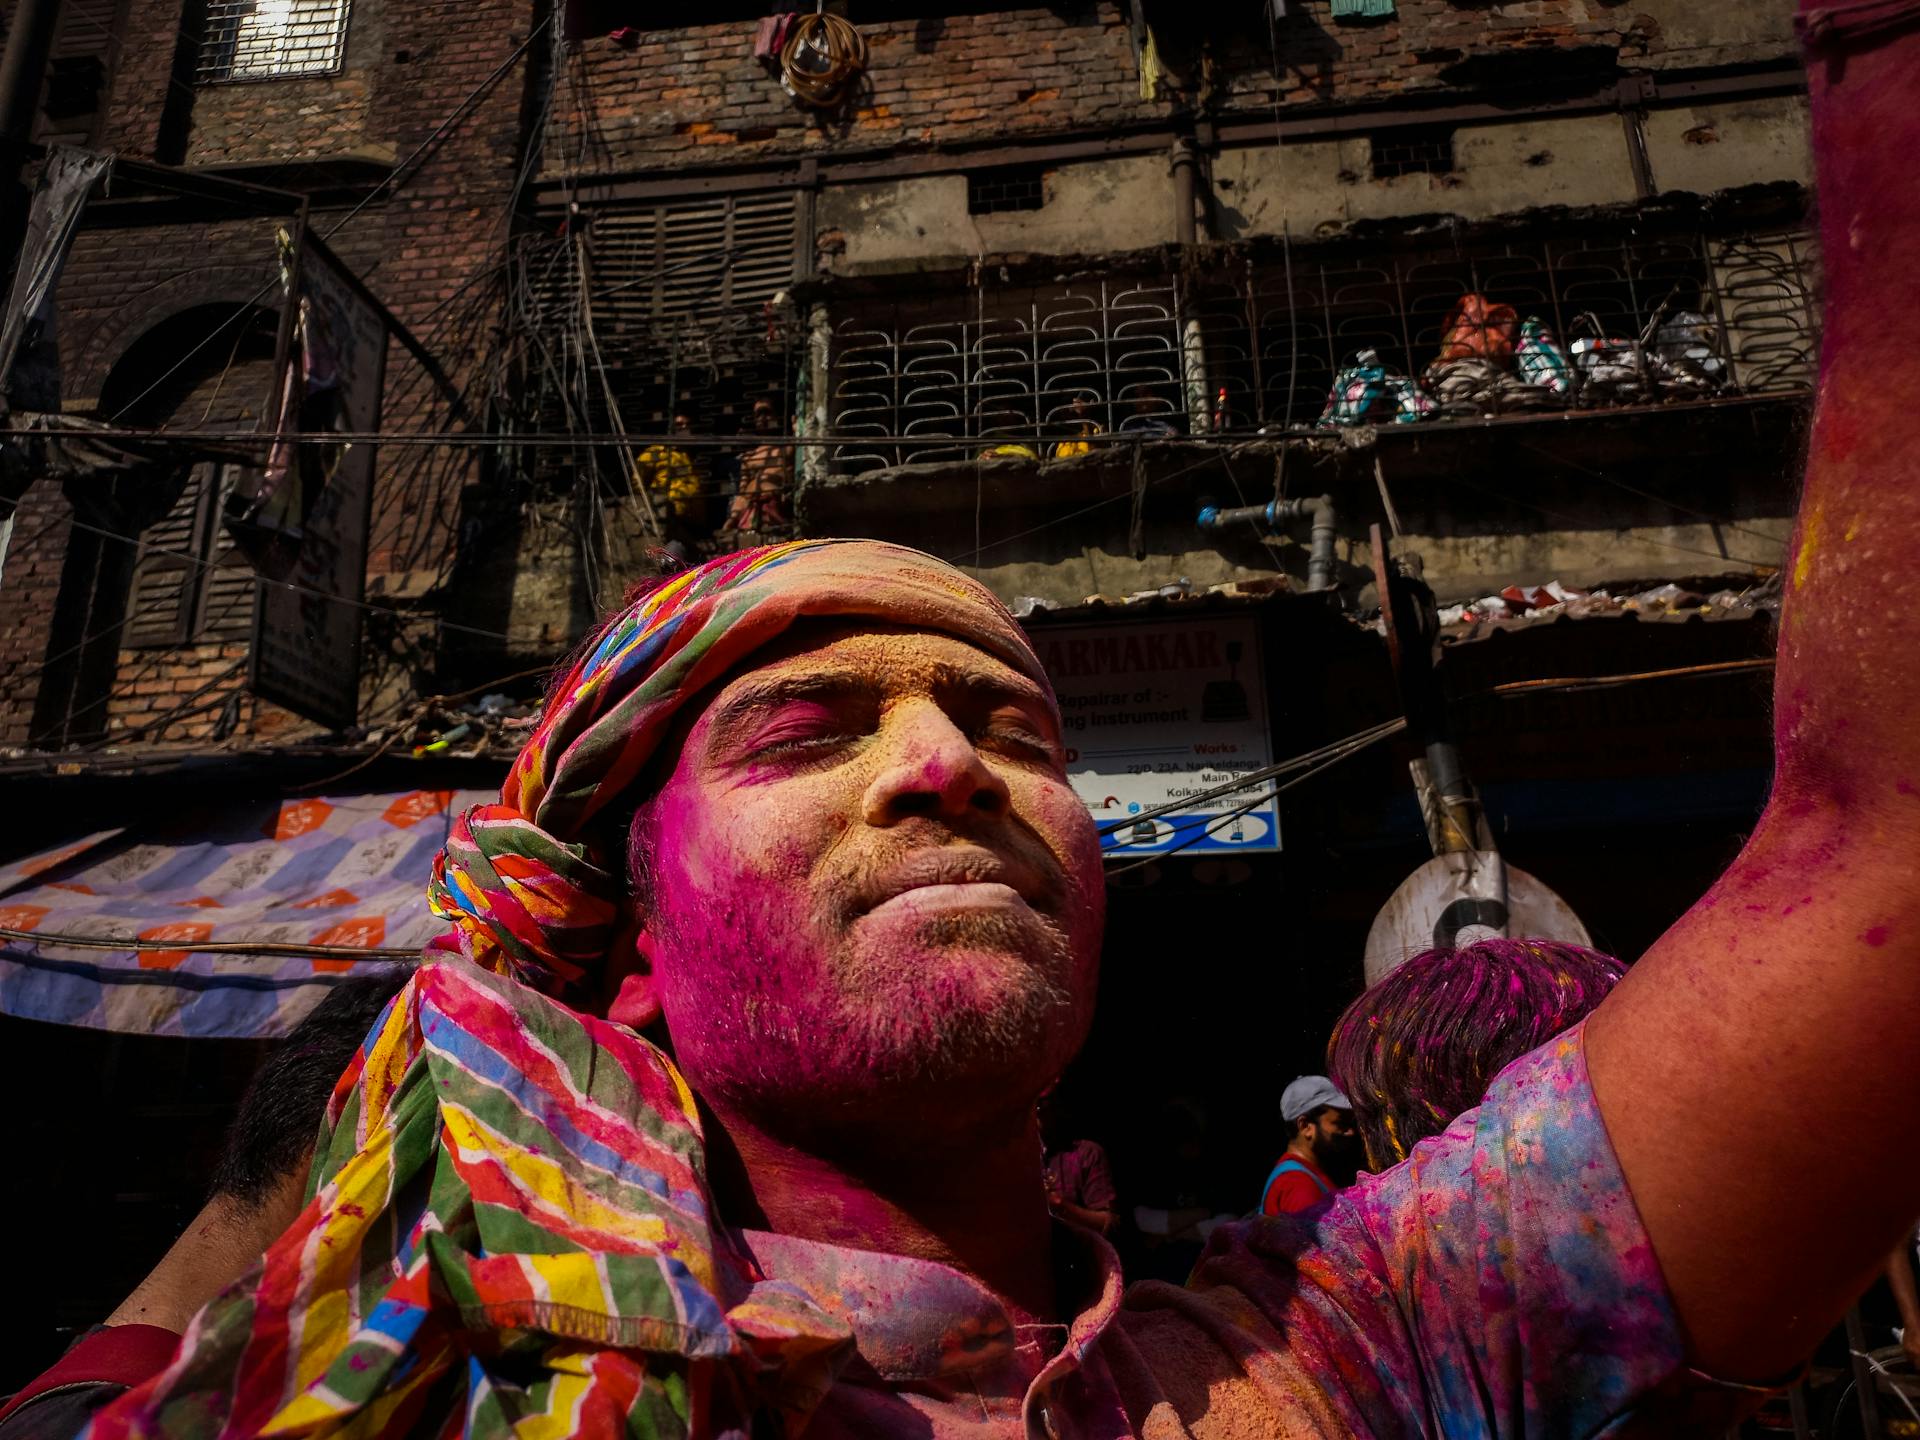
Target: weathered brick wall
(440,244)
(694,95)
(155,39)
(297,117)
(1423,46)
(430,248)
(41,529)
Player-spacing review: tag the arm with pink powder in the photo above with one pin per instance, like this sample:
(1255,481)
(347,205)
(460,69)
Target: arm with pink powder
(1753,1065)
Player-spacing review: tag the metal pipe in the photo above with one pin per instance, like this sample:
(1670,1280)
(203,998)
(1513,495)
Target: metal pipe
(1185,161)
(23,71)
(1454,799)
(1320,556)
(1319,508)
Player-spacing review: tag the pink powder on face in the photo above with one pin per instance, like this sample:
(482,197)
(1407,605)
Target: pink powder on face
(1876,936)
(784,980)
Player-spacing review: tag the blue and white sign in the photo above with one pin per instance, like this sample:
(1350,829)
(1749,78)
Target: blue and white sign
(1157,712)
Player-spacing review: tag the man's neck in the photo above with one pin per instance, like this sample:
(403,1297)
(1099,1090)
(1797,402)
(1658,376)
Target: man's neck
(1302,1149)
(220,1246)
(975,1202)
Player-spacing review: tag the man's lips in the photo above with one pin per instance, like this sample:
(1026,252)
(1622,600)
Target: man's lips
(953,878)
(968,895)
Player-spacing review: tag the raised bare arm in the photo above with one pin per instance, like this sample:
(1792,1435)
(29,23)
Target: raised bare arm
(1759,1069)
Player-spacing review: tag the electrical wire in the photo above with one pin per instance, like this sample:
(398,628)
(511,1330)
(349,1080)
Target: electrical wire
(1576,523)
(1351,748)
(204,947)
(1084,510)
(473,98)
(188,707)
(1299,434)
(1360,739)
(1280,192)
(1602,682)
(1674,505)
(150,549)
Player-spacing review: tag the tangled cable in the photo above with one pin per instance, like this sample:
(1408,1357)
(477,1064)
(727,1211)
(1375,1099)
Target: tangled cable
(823,58)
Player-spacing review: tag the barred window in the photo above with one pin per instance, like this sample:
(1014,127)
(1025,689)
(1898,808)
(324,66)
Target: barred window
(1413,150)
(272,39)
(1010,187)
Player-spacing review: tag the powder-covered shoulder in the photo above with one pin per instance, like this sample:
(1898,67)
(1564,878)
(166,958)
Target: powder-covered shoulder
(1499,1282)
(1512,1244)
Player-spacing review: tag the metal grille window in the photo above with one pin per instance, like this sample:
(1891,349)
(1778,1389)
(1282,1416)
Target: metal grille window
(1418,150)
(1012,187)
(1275,343)
(1110,355)
(947,377)
(272,39)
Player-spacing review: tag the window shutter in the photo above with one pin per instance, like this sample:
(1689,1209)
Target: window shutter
(226,593)
(160,602)
(691,259)
(84,49)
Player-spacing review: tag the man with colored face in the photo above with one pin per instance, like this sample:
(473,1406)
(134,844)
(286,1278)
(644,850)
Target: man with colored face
(801,814)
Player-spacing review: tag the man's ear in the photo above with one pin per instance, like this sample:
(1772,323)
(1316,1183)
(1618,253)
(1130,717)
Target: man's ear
(632,997)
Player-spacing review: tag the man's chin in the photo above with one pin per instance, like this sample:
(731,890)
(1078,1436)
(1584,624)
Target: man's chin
(954,1029)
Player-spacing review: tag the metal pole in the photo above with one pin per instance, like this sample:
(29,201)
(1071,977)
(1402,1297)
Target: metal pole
(1863,1377)
(1797,1408)
(23,70)
(1184,192)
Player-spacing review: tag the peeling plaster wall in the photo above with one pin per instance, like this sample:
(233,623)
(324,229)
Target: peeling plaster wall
(1458,566)
(1704,148)
(1320,187)
(1120,204)
(1465,556)
(1687,33)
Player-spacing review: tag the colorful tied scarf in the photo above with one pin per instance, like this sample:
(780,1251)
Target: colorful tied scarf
(510,1230)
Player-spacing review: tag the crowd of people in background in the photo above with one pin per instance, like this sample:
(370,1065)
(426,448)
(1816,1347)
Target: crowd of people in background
(704,501)
(1415,1051)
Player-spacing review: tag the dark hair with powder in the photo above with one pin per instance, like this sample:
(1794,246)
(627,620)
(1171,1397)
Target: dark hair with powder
(279,1117)
(1421,1047)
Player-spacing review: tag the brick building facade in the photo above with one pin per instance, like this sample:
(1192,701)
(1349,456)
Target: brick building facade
(738,245)
(408,156)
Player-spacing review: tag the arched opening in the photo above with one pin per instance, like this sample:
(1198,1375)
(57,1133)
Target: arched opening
(149,573)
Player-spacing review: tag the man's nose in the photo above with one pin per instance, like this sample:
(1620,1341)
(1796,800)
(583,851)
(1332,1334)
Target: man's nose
(931,768)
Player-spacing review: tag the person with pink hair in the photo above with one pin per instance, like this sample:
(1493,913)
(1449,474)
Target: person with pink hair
(1420,1047)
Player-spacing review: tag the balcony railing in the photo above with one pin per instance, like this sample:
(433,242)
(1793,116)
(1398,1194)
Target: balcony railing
(959,374)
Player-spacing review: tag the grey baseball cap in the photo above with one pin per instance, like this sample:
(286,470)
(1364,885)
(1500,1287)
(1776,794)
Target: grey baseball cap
(1308,1094)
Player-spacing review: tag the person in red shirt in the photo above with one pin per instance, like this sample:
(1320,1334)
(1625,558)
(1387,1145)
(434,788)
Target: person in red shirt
(1320,1119)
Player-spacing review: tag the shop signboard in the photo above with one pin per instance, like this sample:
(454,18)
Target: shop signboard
(1157,712)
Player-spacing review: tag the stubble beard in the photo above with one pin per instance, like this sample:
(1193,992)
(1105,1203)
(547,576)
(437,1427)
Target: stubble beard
(965,1013)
